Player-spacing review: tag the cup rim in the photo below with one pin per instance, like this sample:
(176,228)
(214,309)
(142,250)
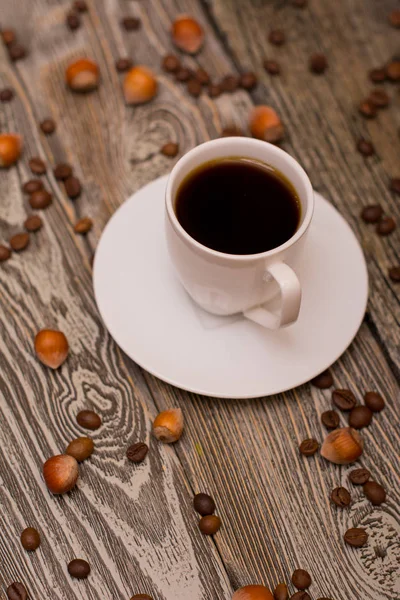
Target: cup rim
(270,148)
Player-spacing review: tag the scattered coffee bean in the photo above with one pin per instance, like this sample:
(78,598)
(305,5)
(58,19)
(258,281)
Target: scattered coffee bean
(367,109)
(375,493)
(33,223)
(83,226)
(210,524)
(344,399)
(88,419)
(203,504)
(377,75)
(17,591)
(248,81)
(171,63)
(48,126)
(62,171)
(229,83)
(318,64)
(194,88)
(73,187)
(8,36)
(281,592)
(323,381)
(123,64)
(365,147)
(19,242)
(183,74)
(130,23)
(301,595)
(393,71)
(379,98)
(214,90)
(360,417)
(301,579)
(231,131)
(137,452)
(80,6)
(80,448)
(330,419)
(202,76)
(171,149)
(6,95)
(272,67)
(386,226)
(17,52)
(33,185)
(394,185)
(394,274)
(30,539)
(5,253)
(359,476)
(141,597)
(37,166)
(356,537)
(78,568)
(394,18)
(371,213)
(40,199)
(308,447)
(277,37)
(73,20)
(341,497)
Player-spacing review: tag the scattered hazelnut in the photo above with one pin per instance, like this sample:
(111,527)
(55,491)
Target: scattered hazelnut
(10,149)
(168,425)
(60,473)
(80,448)
(140,85)
(342,446)
(187,34)
(82,75)
(253,592)
(265,124)
(51,347)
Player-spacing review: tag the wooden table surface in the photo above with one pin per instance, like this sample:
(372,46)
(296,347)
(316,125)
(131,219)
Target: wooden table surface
(136,525)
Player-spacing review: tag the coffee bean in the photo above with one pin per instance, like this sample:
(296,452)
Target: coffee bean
(281,592)
(231,131)
(203,504)
(194,88)
(88,419)
(344,399)
(229,83)
(83,226)
(318,64)
(123,64)
(359,476)
(48,126)
(365,147)
(33,185)
(210,524)
(323,381)
(6,95)
(40,199)
(379,98)
(171,149)
(386,226)
(141,597)
(272,67)
(301,579)
(356,537)
(330,419)
(360,417)
(80,448)
(300,3)
(214,90)
(78,568)
(371,213)
(19,242)
(30,539)
(202,76)
(300,596)
(33,223)
(394,185)
(130,23)
(367,109)
(248,81)
(374,401)
(73,20)
(394,18)
(393,71)
(17,591)
(137,452)
(341,497)
(5,253)
(8,36)
(308,447)
(375,493)
(73,187)
(62,171)
(394,274)
(183,74)
(17,52)
(277,37)
(80,6)
(37,166)
(377,75)
(171,63)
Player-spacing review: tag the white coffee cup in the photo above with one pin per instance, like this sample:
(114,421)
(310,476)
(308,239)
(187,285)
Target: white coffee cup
(226,284)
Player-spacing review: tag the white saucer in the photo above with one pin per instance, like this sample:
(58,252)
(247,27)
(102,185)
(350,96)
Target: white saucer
(154,321)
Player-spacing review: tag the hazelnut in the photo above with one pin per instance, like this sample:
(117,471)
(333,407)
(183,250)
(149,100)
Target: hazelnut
(168,425)
(342,446)
(82,75)
(80,448)
(187,34)
(265,124)
(10,149)
(253,592)
(51,347)
(139,86)
(60,473)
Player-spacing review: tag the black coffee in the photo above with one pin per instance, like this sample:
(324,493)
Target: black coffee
(238,206)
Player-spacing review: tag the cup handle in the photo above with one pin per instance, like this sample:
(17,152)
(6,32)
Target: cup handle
(290,288)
